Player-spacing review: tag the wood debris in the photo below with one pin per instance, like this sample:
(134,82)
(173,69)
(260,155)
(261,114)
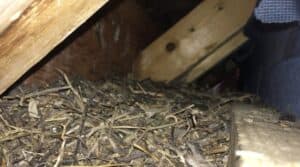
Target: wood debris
(117,122)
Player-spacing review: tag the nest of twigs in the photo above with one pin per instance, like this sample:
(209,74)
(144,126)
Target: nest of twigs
(117,122)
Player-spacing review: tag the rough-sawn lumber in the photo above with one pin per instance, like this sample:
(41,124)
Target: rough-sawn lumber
(28,36)
(193,39)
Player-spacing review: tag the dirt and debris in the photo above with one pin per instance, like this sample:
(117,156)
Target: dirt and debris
(117,122)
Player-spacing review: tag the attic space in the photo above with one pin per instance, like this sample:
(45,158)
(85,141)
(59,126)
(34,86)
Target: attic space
(167,83)
(109,42)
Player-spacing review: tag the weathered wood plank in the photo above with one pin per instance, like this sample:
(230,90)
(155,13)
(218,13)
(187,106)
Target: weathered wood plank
(215,57)
(260,140)
(192,38)
(10,11)
(43,26)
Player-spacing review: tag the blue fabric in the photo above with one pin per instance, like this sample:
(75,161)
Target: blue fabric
(273,71)
(281,87)
(278,11)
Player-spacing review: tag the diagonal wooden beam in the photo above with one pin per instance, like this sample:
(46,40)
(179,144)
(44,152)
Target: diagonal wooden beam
(41,27)
(192,39)
(11,10)
(215,57)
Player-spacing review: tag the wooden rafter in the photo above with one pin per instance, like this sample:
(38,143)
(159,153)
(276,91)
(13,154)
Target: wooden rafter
(33,33)
(193,39)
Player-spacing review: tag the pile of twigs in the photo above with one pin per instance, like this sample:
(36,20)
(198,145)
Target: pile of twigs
(118,122)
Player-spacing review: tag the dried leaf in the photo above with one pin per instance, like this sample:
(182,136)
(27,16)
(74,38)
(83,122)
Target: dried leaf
(33,109)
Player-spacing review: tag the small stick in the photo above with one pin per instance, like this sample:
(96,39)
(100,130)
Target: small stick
(155,94)
(131,118)
(82,109)
(127,127)
(41,93)
(184,109)
(62,147)
(106,165)
(165,126)
(186,132)
(46,91)
(143,90)
(145,151)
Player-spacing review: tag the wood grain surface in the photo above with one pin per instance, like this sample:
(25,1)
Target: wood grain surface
(192,39)
(42,27)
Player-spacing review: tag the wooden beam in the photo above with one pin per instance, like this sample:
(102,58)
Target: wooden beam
(192,39)
(40,28)
(11,10)
(215,57)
